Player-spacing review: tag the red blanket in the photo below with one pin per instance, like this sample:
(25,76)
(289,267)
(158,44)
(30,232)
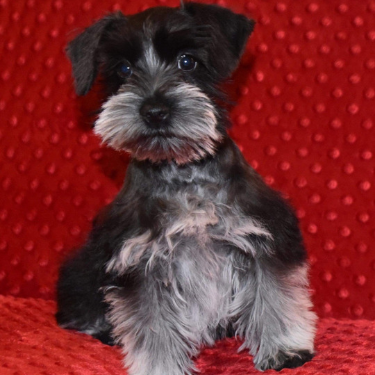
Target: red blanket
(32,344)
(304,119)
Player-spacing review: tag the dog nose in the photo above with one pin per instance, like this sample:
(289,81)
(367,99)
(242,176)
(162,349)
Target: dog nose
(154,113)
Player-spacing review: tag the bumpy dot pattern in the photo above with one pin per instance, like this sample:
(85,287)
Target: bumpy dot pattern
(305,120)
(31,343)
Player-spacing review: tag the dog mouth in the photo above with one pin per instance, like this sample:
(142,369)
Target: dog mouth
(181,128)
(166,146)
(166,143)
(159,132)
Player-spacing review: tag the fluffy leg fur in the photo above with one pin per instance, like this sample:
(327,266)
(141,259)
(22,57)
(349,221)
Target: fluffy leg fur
(276,323)
(162,321)
(80,301)
(156,340)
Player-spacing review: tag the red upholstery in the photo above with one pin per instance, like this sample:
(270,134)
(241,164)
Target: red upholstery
(31,343)
(305,120)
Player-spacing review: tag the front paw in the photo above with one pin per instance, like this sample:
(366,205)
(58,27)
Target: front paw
(105,337)
(285,360)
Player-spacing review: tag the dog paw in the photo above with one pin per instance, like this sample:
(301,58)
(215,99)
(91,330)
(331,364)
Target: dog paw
(105,337)
(285,360)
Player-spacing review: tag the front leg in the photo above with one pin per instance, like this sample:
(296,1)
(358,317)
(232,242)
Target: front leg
(153,324)
(80,300)
(277,324)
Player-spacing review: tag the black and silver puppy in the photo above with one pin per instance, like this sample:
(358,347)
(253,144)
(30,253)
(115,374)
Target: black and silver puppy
(195,246)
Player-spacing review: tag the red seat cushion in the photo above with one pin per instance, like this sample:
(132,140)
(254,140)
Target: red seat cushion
(305,120)
(31,343)
(305,92)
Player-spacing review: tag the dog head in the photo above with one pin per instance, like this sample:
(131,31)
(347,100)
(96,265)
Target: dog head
(161,69)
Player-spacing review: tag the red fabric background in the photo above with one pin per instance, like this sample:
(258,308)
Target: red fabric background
(32,344)
(306,96)
(305,120)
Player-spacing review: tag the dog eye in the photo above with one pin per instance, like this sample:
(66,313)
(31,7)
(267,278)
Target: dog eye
(125,70)
(187,63)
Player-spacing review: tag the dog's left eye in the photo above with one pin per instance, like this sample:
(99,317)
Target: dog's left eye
(125,70)
(187,63)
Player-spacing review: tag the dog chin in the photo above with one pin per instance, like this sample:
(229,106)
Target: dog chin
(167,147)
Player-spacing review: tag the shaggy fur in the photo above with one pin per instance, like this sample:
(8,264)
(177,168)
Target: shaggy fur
(195,246)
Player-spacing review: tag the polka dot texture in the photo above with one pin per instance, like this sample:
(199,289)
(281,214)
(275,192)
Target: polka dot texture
(305,91)
(31,343)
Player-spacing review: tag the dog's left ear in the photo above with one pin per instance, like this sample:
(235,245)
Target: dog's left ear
(82,51)
(228,33)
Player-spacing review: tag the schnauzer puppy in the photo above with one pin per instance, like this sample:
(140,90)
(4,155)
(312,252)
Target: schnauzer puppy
(195,246)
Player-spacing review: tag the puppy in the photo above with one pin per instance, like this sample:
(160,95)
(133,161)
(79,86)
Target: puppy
(195,246)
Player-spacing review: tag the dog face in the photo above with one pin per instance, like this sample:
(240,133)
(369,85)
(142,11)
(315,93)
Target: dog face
(161,69)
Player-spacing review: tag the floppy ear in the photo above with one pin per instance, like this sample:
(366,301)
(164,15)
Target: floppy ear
(82,52)
(228,33)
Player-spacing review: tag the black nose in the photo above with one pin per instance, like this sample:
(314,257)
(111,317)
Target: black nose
(154,112)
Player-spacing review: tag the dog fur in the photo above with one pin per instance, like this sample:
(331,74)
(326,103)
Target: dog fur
(195,246)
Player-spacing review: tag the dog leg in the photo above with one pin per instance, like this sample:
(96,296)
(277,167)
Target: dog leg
(79,298)
(157,328)
(276,324)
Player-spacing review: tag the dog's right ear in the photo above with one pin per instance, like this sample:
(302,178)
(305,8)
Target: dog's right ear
(229,32)
(83,52)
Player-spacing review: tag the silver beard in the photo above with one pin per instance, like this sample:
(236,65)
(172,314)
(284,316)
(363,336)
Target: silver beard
(192,133)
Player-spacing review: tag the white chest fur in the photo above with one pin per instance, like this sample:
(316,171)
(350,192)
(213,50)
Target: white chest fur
(189,217)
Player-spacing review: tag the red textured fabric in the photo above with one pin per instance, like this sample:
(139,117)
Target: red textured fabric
(31,344)
(305,120)
(305,91)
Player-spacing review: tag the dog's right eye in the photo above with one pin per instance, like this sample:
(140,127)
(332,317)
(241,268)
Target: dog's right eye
(125,70)
(187,62)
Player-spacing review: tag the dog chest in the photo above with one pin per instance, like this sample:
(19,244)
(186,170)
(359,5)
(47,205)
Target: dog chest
(194,222)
